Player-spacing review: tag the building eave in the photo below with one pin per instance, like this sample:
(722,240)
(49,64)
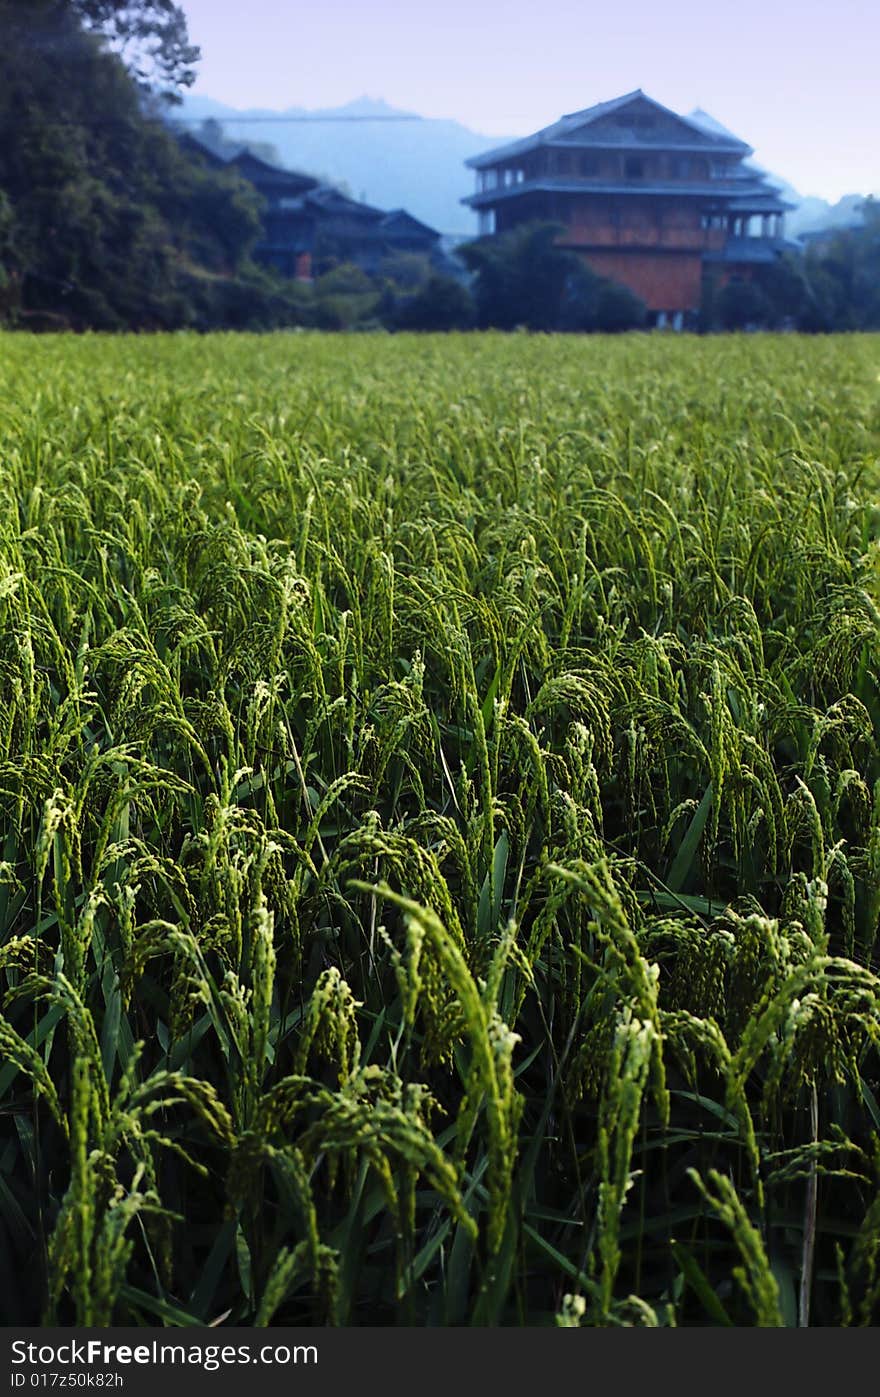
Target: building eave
(764,202)
(714,190)
(270,174)
(637,147)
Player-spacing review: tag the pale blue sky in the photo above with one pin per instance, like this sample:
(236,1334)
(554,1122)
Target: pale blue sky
(798,79)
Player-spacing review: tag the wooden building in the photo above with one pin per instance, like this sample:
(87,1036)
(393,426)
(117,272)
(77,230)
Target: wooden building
(309,226)
(650,199)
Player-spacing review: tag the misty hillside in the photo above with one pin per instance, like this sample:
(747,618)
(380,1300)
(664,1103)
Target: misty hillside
(416,164)
(813,215)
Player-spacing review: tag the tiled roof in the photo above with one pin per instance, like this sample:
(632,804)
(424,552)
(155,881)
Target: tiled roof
(400,218)
(566,128)
(711,125)
(331,200)
(258,170)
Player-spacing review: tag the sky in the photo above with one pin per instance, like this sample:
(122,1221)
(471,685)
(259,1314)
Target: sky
(798,79)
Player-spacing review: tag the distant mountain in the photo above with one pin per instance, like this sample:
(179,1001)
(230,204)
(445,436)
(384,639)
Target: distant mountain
(812,214)
(417,164)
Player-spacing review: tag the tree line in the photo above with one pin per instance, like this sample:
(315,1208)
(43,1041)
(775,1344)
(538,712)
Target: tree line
(834,284)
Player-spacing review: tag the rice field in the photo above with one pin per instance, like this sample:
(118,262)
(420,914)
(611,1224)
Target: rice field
(439,830)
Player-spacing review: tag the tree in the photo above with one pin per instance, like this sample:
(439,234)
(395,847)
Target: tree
(845,274)
(9,284)
(344,297)
(151,37)
(618,309)
(407,271)
(523,277)
(110,219)
(786,289)
(441,304)
(741,304)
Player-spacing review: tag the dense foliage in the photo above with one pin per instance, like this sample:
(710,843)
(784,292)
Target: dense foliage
(834,284)
(440,876)
(105,222)
(523,278)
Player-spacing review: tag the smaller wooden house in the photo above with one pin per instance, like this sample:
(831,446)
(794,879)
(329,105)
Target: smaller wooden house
(309,227)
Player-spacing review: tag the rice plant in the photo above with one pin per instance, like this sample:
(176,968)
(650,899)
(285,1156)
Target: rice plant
(440,842)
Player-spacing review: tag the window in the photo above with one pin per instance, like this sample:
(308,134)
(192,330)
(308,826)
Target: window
(588,165)
(680,167)
(633,167)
